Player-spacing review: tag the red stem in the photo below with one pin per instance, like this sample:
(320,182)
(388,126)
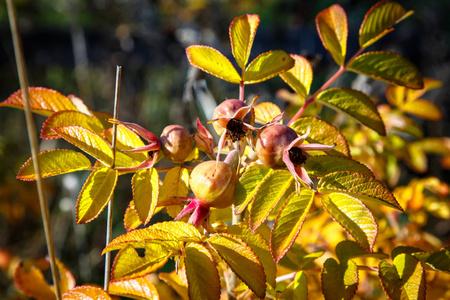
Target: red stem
(241,91)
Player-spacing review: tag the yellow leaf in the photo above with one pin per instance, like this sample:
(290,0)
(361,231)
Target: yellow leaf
(131,220)
(428,84)
(68,118)
(175,184)
(66,280)
(127,140)
(177,282)
(30,280)
(242,34)
(145,193)
(266,112)
(139,287)
(86,292)
(267,65)
(423,109)
(299,78)
(395,94)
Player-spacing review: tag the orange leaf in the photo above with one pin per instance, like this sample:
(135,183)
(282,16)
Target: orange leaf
(86,292)
(138,287)
(67,118)
(29,278)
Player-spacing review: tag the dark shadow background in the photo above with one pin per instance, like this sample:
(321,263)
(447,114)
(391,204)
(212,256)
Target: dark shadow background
(73,46)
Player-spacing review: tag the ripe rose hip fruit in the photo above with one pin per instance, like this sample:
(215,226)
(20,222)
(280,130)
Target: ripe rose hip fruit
(227,109)
(176,143)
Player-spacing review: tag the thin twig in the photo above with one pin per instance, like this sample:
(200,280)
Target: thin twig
(31,128)
(110,204)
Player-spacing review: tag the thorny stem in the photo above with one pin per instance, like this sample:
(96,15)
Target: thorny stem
(31,128)
(110,204)
(311,99)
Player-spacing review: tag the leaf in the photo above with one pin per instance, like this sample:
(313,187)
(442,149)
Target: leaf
(175,184)
(267,65)
(321,165)
(248,185)
(178,284)
(86,292)
(88,141)
(131,219)
(42,101)
(268,195)
(29,278)
(128,264)
(95,194)
(332,26)
(378,21)
(346,250)
(145,185)
(299,78)
(261,248)
(134,288)
(266,112)
(202,276)
(297,289)
(171,233)
(389,67)
(428,84)
(242,260)
(324,133)
(405,279)
(54,162)
(66,280)
(354,216)
(213,62)
(424,109)
(242,34)
(127,140)
(439,260)
(70,118)
(339,281)
(289,222)
(355,104)
(359,186)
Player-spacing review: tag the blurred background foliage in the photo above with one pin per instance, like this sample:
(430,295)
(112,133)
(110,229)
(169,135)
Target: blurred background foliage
(73,46)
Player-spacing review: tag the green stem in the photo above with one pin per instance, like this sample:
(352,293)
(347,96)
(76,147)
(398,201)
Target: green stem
(31,128)
(111,202)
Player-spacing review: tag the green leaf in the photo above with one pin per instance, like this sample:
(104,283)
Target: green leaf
(297,289)
(289,222)
(69,118)
(403,280)
(242,260)
(42,101)
(321,165)
(88,141)
(261,248)
(346,250)
(358,185)
(54,162)
(324,133)
(355,104)
(175,184)
(354,216)
(299,78)
(378,21)
(139,288)
(267,65)
(95,194)
(438,260)
(339,281)
(268,195)
(249,184)
(242,34)
(129,264)
(389,67)
(202,276)
(213,62)
(332,26)
(145,185)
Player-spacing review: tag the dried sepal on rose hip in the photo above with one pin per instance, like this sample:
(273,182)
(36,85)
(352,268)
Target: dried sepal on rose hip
(279,146)
(176,143)
(214,185)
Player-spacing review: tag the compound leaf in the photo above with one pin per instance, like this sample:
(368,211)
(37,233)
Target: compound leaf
(249,184)
(138,288)
(242,34)
(267,65)
(145,185)
(299,78)
(321,165)
(339,281)
(70,118)
(86,292)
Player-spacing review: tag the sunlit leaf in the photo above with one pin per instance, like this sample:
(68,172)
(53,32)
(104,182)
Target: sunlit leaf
(403,280)
(69,118)
(268,195)
(129,264)
(267,65)
(299,78)
(289,222)
(332,26)
(95,194)
(424,109)
(242,260)
(30,279)
(355,104)
(417,159)
(43,101)
(66,278)
(438,260)
(213,62)
(242,34)
(127,140)
(428,84)
(389,67)
(80,105)
(266,112)
(349,249)
(54,162)
(248,186)
(354,216)
(203,278)
(378,21)
(321,165)
(175,184)
(86,292)
(359,186)
(261,248)
(88,141)
(138,288)
(297,289)
(324,133)
(145,193)
(339,281)
(176,282)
